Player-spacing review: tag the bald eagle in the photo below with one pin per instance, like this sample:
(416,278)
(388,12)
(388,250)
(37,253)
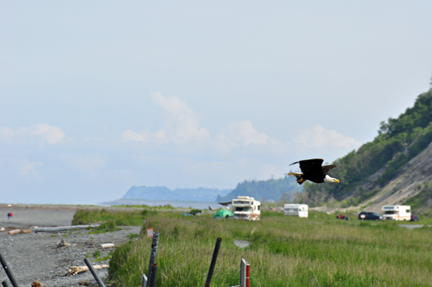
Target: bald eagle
(313,171)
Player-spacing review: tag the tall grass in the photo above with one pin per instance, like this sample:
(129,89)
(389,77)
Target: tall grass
(120,218)
(285,251)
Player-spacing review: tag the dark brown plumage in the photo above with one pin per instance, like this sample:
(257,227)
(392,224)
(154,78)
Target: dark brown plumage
(314,171)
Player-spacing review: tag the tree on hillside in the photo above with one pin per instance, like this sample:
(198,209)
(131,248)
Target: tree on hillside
(398,141)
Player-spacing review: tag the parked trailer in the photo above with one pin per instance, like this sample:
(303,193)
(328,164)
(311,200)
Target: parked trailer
(397,212)
(247,208)
(300,210)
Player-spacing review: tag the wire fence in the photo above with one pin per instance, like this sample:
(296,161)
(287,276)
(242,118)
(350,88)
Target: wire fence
(149,280)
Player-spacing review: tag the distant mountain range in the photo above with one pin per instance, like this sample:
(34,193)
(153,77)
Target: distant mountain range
(282,189)
(271,190)
(183,194)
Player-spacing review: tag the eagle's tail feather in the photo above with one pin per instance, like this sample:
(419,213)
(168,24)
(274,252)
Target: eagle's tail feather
(299,177)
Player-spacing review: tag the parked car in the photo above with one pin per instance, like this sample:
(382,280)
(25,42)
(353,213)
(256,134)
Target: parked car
(370,216)
(414,218)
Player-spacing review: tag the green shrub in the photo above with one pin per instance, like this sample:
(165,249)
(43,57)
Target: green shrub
(97,254)
(121,218)
(109,226)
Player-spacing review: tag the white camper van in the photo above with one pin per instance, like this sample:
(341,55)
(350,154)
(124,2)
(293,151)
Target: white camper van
(300,210)
(397,212)
(247,208)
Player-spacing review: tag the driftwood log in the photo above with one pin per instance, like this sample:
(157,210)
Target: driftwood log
(63,228)
(18,231)
(107,245)
(74,270)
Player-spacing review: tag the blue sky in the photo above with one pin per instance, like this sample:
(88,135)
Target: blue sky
(99,96)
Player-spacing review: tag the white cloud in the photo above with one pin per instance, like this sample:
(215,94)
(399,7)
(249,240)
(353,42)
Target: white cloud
(49,134)
(243,132)
(28,169)
(182,124)
(158,137)
(319,137)
(239,134)
(129,135)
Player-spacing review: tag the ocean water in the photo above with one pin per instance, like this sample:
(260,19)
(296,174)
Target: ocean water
(174,203)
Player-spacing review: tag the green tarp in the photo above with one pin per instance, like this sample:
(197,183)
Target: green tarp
(223,213)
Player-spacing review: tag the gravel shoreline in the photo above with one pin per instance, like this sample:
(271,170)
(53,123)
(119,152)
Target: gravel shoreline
(36,256)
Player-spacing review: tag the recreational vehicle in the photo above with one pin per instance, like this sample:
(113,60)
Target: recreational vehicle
(397,212)
(246,208)
(300,210)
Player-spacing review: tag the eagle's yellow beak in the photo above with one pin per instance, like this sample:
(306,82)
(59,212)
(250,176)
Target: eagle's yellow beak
(337,180)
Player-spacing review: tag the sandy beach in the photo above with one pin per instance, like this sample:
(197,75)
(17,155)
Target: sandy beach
(26,216)
(36,256)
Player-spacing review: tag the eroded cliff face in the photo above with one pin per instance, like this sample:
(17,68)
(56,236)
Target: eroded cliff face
(405,184)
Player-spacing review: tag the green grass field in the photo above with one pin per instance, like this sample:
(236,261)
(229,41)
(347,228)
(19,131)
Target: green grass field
(284,251)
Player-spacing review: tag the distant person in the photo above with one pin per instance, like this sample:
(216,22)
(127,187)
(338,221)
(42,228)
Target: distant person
(10,214)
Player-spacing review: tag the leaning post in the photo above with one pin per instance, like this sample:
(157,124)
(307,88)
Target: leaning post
(8,271)
(213,262)
(93,272)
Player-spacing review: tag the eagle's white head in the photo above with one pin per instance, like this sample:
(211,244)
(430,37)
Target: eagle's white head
(330,179)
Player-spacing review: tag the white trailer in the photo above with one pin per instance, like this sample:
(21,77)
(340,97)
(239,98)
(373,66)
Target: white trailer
(246,208)
(300,210)
(397,212)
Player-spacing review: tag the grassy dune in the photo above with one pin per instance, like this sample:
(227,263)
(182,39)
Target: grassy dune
(285,251)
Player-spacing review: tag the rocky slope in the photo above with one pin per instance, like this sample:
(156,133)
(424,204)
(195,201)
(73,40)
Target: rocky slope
(406,183)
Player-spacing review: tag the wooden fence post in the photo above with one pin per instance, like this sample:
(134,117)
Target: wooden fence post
(153,252)
(8,271)
(213,262)
(93,272)
(152,278)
